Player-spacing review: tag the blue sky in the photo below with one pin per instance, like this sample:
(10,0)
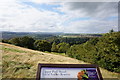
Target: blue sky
(69,17)
(44,6)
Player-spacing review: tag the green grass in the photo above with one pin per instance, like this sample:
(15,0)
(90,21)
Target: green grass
(13,50)
(63,54)
(15,68)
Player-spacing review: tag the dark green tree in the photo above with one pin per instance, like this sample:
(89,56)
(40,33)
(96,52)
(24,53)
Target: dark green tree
(27,42)
(111,31)
(23,42)
(15,41)
(42,45)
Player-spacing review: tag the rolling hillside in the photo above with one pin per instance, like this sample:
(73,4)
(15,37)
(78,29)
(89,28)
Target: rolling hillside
(18,62)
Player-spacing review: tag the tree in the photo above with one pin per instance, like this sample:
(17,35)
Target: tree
(42,45)
(27,42)
(63,47)
(111,31)
(23,42)
(54,47)
(15,41)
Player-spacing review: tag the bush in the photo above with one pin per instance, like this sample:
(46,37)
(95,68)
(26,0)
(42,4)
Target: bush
(5,41)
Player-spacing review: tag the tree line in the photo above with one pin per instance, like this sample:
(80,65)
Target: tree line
(54,44)
(41,45)
(70,40)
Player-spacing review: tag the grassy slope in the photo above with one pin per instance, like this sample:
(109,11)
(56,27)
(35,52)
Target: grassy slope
(20,62)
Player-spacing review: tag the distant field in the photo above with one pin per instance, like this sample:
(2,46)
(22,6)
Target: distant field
(79,36)
(18,62)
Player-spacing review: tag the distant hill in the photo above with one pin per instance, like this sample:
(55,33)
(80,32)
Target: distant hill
(35,35)
(44,35)
(18,62)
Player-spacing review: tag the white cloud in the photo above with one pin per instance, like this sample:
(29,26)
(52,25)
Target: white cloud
(91,26)
(15,16)
(98,12)
(40,1)
(24,18)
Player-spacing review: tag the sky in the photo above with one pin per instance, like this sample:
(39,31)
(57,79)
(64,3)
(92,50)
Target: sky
(58,16)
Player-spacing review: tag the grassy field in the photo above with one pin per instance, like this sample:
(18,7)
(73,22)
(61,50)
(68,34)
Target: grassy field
(18,62)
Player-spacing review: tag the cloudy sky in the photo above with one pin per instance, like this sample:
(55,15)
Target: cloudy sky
(59,16)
